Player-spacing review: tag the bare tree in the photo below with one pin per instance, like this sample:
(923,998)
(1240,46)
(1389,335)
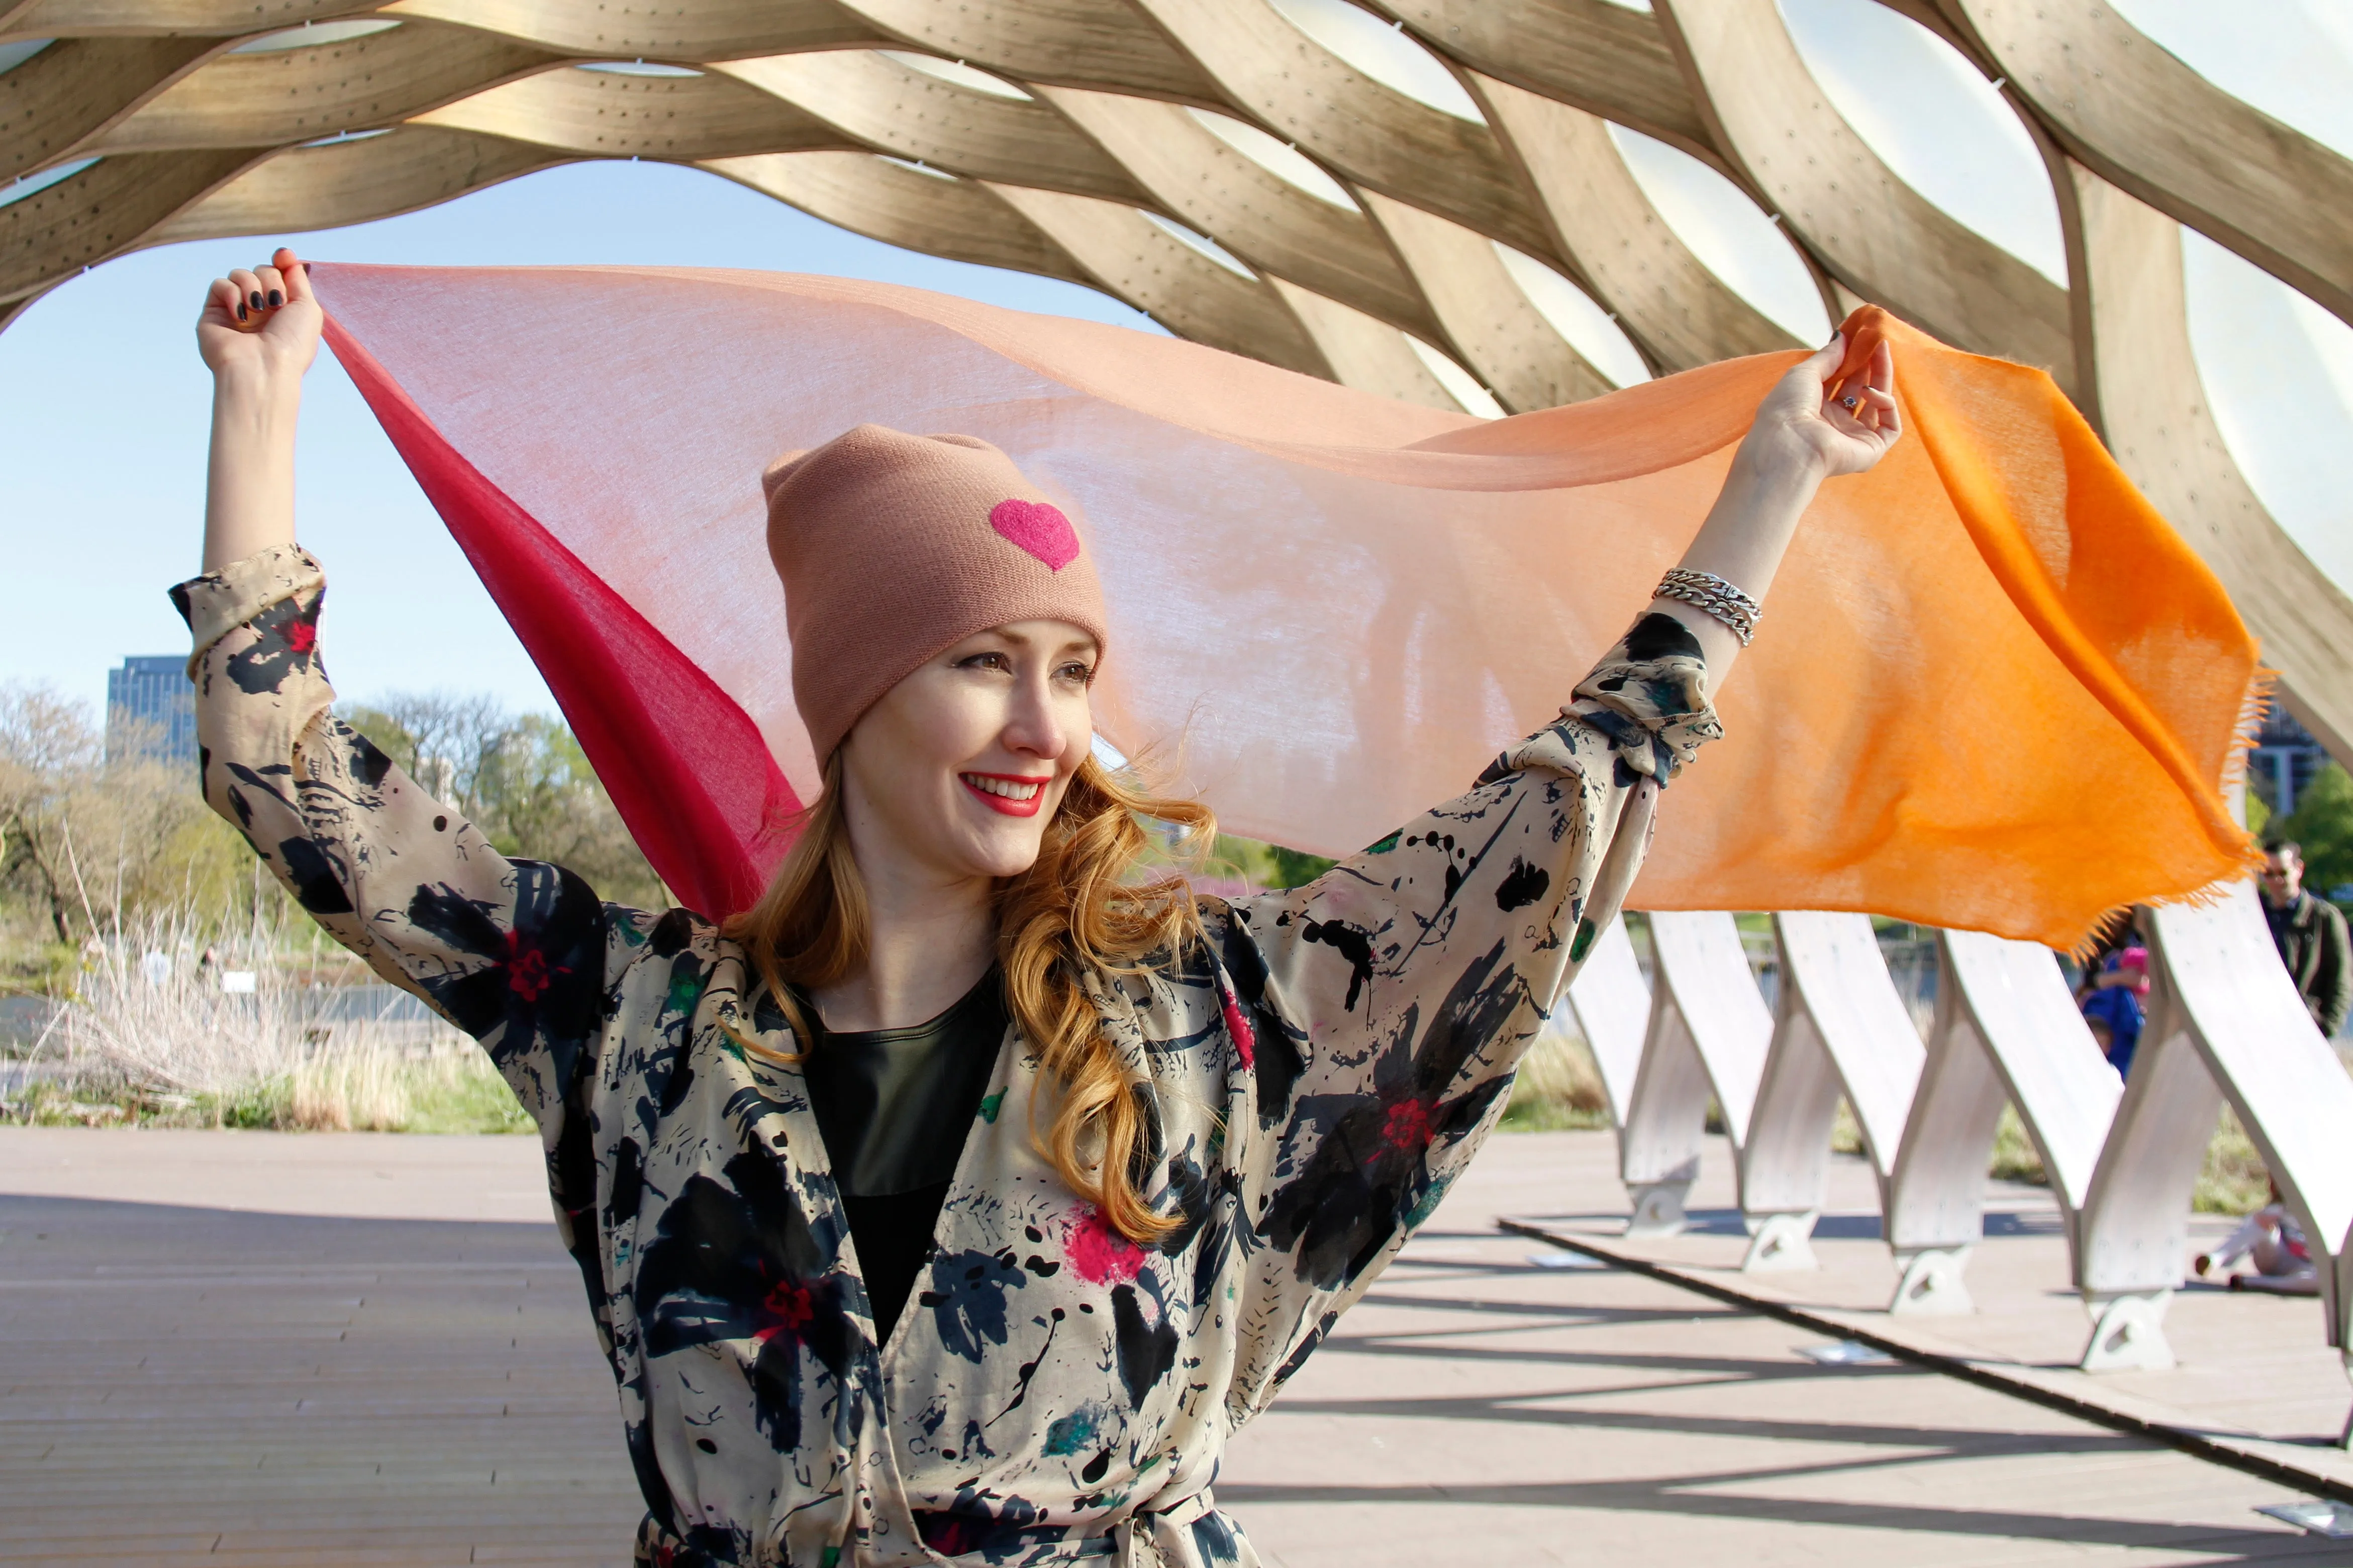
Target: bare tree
(521,779)
(84,840)
(444,740)
(49,752)
(90,847)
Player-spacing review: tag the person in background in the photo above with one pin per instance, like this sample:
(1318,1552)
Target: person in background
(2310,935)
(2275,1244)
(2115,999)
(2105,1039)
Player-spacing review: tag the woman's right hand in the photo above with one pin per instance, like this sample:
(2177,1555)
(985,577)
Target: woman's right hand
(262,322)
(257,351)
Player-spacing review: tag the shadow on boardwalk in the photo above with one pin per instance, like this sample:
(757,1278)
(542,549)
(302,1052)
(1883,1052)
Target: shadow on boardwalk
(182,1383)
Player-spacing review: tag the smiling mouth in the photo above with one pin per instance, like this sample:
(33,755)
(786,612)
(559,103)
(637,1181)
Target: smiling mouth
(1007,793)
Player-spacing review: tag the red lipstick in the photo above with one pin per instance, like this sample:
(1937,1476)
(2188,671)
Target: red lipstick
(1011,794)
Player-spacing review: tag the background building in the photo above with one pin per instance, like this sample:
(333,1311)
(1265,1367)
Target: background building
(150,710)
(2285,760)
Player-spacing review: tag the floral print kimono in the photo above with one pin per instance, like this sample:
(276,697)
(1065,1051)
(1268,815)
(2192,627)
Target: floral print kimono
(1319,1069)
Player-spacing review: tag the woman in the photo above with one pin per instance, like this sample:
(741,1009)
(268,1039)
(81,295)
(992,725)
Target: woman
(957,1201)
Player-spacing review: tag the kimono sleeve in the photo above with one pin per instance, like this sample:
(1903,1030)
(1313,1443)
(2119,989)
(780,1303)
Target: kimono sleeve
(514,953)
(1382,1007)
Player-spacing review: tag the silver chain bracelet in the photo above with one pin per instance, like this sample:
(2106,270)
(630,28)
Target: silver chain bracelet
(1712,595)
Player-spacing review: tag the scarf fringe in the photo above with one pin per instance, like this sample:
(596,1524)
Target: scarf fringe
(2263,696)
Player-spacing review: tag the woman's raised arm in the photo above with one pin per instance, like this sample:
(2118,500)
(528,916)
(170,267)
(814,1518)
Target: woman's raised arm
(1379,1011)
(515,953)
(1813,426)
(259,333)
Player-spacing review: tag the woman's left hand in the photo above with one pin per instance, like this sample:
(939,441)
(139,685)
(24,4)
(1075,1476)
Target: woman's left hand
(1832,425)
(1813,425)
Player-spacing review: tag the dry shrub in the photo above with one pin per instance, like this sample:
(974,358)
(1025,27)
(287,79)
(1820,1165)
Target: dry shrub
(2015,1157)
(361,1088)
(2232,1179)
(1559,1085)
(151,1024)
(147,1016)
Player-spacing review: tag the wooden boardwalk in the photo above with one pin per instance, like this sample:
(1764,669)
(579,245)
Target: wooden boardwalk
(245,1348)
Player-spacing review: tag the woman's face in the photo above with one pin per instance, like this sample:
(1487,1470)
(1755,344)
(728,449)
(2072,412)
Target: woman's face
(956,771)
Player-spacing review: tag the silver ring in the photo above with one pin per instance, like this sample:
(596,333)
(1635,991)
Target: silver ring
(1850,402)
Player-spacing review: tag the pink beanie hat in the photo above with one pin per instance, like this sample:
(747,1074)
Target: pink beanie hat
(894,548)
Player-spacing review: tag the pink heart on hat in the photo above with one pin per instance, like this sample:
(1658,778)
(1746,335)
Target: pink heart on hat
(1038,528)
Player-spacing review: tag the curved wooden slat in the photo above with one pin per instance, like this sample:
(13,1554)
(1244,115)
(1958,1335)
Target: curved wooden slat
(1599,56)
(894,108)
(1129,256)
(1665,298)
(704,30)
(604,115)
(1073,43)
(1371,132)
(353,182)
(12,309)
(298,95)
(941,215)
(1258,216)
(56,104)
(103,211)
(1877,234)
(2164,435)
(1363,352)
(156,18)
(1501,338)
(2148,123)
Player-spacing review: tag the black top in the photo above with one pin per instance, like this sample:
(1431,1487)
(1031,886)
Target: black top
(2280,918)
(894,1106)
(2313,943)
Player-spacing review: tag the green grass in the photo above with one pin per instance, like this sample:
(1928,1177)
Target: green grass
(474,1099)
(49,1104)
(1558,1089)
(2015,1158)
(2234,1179)
(453,1092)
(1536,1111)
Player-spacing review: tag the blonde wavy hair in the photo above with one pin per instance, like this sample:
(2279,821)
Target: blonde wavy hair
(1093,904)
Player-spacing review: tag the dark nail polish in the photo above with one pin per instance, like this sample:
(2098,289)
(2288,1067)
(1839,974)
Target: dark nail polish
(276,299)
(256,301)
(240,312)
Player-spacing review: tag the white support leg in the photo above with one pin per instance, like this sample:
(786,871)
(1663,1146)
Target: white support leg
(2345,1355)
(1611,1004)
(2129,1332)
(2222,993)
(1782,1242)
(1839,1030)
(1708,1030)
(1658,1207)
(1931,1285)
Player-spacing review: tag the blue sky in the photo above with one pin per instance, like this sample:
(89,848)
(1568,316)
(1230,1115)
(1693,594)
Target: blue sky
(104,403)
